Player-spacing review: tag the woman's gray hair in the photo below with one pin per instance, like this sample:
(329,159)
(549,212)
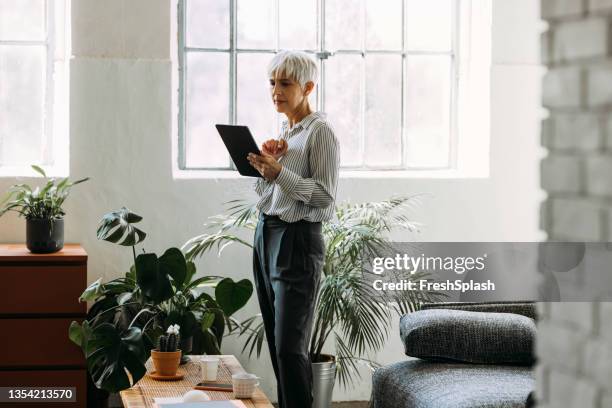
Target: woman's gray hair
(297,65)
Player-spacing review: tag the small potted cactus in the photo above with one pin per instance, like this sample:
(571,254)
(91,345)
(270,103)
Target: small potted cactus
(166,357)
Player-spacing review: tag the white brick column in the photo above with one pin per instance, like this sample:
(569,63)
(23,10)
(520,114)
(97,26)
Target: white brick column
(574,345)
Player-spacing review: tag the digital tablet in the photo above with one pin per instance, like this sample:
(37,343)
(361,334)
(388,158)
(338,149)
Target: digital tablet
(239,143)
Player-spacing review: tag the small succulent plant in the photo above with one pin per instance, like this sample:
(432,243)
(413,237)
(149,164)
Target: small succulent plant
(169,341)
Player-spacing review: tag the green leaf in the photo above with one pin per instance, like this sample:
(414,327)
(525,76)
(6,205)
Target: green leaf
(92,292)
(173,263)
(111,353)
(152,280)
(232,296)
(191,271)
(205,281)
(39,170)
(116,227)
(208,319)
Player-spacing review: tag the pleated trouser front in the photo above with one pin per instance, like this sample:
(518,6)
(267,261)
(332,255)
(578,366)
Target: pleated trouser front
(287,263)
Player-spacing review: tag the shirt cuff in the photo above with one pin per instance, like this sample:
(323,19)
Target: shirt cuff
(287,180)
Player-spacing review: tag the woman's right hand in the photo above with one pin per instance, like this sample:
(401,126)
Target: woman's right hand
(275,148)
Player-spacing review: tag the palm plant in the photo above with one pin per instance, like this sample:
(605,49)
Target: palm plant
(348,309)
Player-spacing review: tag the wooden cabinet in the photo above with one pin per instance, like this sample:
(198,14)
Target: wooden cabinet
(39,299)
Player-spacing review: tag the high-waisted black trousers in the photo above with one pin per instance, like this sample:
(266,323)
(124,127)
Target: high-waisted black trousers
(287,263)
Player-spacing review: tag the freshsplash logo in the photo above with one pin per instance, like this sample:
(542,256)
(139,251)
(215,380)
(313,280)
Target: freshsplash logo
(422,263)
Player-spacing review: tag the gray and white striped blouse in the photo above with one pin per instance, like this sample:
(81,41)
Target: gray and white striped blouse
(305,189)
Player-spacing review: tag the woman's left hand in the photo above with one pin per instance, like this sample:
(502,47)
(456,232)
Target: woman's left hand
(266,165)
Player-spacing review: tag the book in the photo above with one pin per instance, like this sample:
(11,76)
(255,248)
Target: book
(204,404)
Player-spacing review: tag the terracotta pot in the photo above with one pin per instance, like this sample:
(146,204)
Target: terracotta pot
(166,362)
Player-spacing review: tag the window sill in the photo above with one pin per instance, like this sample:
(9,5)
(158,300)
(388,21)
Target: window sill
(346,174)
(26,171)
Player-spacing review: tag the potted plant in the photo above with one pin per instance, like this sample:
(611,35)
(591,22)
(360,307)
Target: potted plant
(348,311)
(167,356)
(130,313)
(42,209)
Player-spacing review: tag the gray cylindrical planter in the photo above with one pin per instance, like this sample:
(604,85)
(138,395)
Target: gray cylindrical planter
(323,377)
(44,236)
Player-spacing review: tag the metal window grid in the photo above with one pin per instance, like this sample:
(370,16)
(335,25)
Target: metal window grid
(322,54)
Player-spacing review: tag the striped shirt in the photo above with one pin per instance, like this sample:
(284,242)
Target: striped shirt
(305,188)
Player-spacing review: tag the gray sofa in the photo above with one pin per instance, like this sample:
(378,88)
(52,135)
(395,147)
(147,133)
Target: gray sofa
(481,333)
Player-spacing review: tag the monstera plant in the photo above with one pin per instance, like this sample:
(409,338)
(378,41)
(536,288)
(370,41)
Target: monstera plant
(129,313)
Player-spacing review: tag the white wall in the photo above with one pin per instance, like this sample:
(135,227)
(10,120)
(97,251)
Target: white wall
(121,134)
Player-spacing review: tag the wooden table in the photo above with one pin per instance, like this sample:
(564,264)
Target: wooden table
(134,398)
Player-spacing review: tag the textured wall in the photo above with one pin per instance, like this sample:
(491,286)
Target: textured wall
(575,339)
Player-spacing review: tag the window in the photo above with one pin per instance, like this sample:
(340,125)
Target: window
(392,75)
(33,111)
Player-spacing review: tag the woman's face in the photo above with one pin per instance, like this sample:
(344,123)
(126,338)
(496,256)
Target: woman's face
(287,94)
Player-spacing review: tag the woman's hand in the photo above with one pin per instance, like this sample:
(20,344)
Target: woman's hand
(265,164)
(275,148)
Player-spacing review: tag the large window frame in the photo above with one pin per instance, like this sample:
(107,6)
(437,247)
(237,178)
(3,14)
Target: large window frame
(455,74)
(54,146)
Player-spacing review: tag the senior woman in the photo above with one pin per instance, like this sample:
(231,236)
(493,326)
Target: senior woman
(297,193)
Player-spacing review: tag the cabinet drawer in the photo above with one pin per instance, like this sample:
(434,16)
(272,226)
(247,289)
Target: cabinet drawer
(47,378)
(42,289)
(38,342)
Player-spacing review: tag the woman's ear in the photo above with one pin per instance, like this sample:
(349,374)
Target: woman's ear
(308,88)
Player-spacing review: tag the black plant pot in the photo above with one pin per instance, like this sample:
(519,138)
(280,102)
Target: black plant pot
(44,236)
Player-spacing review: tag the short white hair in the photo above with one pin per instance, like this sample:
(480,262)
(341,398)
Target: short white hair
(297,65)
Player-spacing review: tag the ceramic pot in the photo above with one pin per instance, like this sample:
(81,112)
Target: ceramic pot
(44,236)
(166,362)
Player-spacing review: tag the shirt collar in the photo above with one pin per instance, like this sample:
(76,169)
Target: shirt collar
(306,121)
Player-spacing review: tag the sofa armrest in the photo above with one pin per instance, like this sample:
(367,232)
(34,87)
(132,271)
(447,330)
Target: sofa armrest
(525,308)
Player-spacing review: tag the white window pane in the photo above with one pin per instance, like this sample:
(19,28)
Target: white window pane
(256,24)
(298,24)
(428,86)
(22,20)
(342,103)
(255,108)
(384,24)
(343,25)
(207,23)
(207,100)
(22,83)
(429,25)
(383,110)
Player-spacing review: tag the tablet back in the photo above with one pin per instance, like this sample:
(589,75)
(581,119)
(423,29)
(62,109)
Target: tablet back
(239,143)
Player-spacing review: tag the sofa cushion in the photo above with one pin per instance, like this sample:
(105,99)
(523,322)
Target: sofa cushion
(526,308)
(423,384)
(473,337)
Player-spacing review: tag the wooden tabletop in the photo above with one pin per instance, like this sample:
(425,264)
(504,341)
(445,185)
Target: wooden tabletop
(134,398)
(17,252)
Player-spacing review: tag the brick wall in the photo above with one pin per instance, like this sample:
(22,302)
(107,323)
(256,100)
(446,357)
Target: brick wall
(575,339)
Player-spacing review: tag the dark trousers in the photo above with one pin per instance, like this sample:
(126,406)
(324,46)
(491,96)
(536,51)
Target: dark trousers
(287,263)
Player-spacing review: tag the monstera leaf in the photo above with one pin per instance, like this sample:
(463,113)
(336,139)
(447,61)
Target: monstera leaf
(231,296)
(116,227)
(111,353)
(153,274)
